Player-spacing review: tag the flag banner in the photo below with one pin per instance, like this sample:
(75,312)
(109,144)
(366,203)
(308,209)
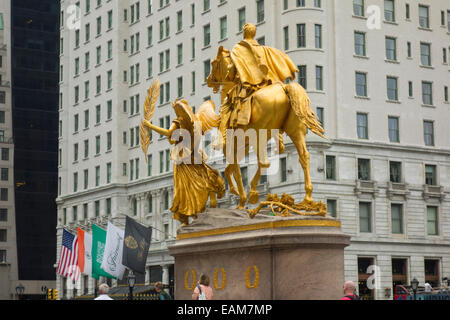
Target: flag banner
(112,256)
(68,258)
(84,252)
(98,248)
(136,245)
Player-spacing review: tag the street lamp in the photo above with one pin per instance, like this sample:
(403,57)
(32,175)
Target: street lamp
(414,285)
(131,282)
(20,289)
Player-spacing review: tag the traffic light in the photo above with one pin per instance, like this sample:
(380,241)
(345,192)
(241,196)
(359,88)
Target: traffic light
(55,294)
(49,294)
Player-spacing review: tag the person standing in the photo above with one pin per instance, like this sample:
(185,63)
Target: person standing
(103,290)
(162,295)
(349,291)
(203,291)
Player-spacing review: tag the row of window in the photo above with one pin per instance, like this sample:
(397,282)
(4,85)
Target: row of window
(390,13)
(362,129)
(98,87)
(395,171)
(86,178)
(398,221)
(75,217)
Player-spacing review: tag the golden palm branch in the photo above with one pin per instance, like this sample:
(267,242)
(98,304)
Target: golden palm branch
(149,109)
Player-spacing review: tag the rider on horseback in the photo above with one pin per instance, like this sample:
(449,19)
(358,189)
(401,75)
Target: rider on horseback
(254,67)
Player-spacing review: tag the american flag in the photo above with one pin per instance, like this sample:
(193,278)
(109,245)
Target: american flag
(68,258)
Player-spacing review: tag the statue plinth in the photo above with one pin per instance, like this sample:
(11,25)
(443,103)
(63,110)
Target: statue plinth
(265,258)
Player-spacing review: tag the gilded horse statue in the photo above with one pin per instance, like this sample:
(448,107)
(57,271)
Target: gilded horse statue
(274,106)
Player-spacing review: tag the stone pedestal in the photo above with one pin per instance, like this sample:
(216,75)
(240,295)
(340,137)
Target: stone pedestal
(265,258)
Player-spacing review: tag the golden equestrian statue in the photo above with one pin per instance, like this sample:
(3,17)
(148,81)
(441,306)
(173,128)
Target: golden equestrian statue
(194,180)
(255,97)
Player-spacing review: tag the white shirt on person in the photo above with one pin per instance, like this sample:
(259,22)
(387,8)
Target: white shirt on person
(103,297)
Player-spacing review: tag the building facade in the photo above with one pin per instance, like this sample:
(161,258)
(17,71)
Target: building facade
(380,91)
(8,249)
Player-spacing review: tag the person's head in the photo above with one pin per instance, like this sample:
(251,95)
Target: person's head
(159,287)
(349,287)
(204,279)
(249,31)
(103,288)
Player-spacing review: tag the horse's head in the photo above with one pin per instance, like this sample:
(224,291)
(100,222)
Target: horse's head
(221,66)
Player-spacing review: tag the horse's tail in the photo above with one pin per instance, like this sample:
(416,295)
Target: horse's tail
(301,105)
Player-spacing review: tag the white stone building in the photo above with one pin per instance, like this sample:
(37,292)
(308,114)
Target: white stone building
(8,247)
(380,90)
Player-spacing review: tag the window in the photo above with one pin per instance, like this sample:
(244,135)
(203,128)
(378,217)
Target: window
(99,26)
(5,154)
(179,20)
(444,55)
(110,19)
(109,80)
(4,174)
(2,252)
(97,145)
(75,123)
(364,169)
(319,78)
(161,161)
(392,88)
(330,168)
(192,14)
(301,36)
(410,89)
(192,48)
(149,165)
(318,36)
(445,93)
(108,141)
(286,38)
(393,129)
(432,221)
(193,81)
(223,28)
(425,56)
(97,114)
(180,86)
(108,172)
(2,116)
(362,126)
(361,84)
(331,207)
(317,3)
(389,10)
(391,48)
(206,35)
(98,84)
(395,171)
(430,175)
(86,178)
(283,169)
(302,79)
(320,115)
(75,182)
(206,5)
(424,17)
(358,8)
(167,160)
(259,11)
(241,18)
(428,133)
(3,214)
(3,237)
(97,208)
(300,3)
(75,152)
(109,49)
(397,218)
(408,12)
(427,93)
(365,217)
(86,149)
(360,43)
(206,69)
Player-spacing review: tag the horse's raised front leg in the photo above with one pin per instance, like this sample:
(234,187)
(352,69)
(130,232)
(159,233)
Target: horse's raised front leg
(228,172)
(253,196)
(238,178)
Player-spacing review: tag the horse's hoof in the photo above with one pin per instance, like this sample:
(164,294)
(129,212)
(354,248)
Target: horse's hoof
(234,191)
(253,197)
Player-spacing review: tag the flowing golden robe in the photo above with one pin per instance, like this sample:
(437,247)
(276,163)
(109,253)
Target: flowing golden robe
(193,183)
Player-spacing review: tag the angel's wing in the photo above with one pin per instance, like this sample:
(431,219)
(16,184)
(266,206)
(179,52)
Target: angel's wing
(149,109)
(207,115)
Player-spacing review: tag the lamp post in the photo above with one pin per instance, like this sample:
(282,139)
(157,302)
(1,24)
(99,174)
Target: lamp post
(20,289)
(131,282)
(414,285)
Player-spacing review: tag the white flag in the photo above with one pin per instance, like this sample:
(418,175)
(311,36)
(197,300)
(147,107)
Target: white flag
(87,254)
(112,256)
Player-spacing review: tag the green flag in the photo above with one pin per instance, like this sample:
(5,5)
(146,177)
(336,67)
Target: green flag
(98,247)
